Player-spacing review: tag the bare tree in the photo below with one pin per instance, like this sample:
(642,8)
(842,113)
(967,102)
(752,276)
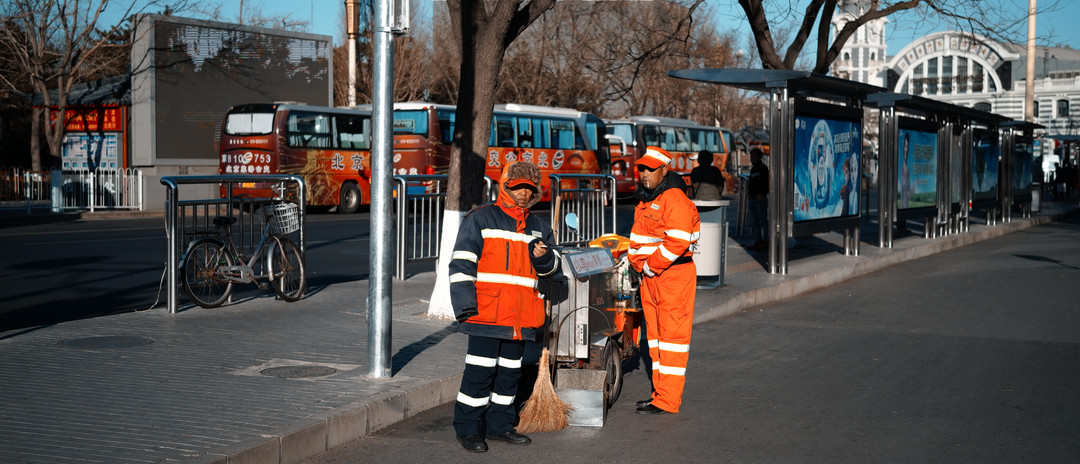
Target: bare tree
(993,18)
(53,45)
(485,29)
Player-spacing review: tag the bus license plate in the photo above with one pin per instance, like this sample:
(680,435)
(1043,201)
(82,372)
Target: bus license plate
(247,185)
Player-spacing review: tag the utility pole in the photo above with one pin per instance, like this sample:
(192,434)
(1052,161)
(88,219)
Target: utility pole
(1029,88)
(352,31)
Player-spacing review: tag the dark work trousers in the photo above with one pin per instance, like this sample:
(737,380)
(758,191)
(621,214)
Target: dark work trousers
(485,401)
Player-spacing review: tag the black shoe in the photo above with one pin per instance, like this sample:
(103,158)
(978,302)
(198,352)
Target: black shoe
(643,403)
(511,437)
(649,410)
(473,443)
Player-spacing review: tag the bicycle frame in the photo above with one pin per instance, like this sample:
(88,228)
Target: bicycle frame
(245,272)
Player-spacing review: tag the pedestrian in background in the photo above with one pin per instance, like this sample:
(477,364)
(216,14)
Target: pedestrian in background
(707,180)
(501,252)
(757,192)
(662,239)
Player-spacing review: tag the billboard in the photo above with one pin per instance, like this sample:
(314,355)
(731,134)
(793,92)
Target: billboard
(917,171)
(1023,159)
(826,167)
(187,73)
(985,156)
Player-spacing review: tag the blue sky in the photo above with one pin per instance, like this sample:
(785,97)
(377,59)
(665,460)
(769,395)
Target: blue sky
(325,16)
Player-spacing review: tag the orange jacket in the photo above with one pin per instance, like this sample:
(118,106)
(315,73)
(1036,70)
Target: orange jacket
(666,228)
(493,275)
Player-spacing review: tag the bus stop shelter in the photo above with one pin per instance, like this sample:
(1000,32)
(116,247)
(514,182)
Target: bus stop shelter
(815,138)
(925,165)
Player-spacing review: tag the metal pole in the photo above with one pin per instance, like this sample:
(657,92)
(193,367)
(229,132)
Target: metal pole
(352,30)
(382,165)
(1029,86)
(170,226)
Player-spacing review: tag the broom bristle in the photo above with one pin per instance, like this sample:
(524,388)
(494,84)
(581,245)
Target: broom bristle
(543,411)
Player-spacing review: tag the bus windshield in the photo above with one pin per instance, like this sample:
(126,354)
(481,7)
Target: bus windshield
(249,123)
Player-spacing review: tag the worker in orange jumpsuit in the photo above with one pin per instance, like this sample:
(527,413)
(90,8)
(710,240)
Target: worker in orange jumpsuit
(666,229)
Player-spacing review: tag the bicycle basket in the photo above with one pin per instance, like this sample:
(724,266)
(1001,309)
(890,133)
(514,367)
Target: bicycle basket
(284,218)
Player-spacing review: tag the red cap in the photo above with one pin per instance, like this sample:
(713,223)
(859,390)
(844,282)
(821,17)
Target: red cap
(513,183)
(654,157)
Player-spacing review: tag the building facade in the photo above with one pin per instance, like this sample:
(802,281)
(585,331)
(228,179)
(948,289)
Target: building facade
(968,70)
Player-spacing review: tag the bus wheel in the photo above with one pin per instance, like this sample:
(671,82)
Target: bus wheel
(349,202)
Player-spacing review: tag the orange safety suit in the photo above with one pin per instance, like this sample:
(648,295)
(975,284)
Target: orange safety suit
(666,229)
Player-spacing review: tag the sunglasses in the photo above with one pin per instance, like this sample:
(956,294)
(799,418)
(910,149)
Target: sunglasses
(643,168)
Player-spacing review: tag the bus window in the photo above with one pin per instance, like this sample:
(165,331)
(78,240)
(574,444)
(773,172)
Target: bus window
(249,123)
(651,134)
(525,136)
(563,134)
(682,139)
(411,122)
(352,132)
(310,130)
(504,132)
(446,125)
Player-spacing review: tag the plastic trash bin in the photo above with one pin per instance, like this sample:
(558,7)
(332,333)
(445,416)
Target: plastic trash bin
(710,256)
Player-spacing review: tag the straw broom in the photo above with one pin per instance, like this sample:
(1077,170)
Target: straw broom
(543,411)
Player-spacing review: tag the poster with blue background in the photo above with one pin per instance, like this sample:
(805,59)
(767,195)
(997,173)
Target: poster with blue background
(916,180)
(984,170)
(826,168)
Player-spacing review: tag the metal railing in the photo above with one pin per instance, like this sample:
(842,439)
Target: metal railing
(82,189)
(187,220)
(24,188)
(97,189)
(588,196)
(420,202)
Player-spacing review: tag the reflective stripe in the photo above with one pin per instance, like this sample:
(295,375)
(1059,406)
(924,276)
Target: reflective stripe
(643,250)
(679,234)
(507,235)
(510,363)
(505,279)
(657,155)
(465,255)
(481,361)
(694,237)
(470,401)
(675,347)
(558,258)
(461,277)
(670,370)
(652,342)
(644,239)
(502,399)
(667,254)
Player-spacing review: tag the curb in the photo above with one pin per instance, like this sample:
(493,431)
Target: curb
(306,440)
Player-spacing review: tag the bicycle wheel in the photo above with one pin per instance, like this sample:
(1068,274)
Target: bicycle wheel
(202,282)
(287,270)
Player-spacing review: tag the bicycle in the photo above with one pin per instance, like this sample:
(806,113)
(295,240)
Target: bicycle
(211,265)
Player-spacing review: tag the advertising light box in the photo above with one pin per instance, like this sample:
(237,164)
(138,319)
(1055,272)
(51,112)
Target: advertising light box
(1023,158)
(826,167)
(985,157)
(917,171)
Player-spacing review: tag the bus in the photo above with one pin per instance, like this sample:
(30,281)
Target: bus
(558,140)
(329,147)
(681,138)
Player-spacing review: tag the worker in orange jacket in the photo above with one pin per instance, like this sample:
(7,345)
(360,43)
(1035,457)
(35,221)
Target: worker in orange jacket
(662,240)
(501,253)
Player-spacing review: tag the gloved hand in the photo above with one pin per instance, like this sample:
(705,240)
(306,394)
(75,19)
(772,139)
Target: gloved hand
(465,314)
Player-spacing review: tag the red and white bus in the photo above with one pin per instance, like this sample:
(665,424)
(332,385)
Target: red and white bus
(681,138)
(558,140)
(329,147)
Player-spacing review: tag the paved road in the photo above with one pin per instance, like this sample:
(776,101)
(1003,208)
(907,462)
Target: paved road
(965,356)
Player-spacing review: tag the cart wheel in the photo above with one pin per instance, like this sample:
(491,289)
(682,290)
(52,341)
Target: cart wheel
(612,362)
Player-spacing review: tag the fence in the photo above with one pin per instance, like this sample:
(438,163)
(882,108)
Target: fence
(421,200)
(20,187)
(588,196)
(187,220)
(83,189)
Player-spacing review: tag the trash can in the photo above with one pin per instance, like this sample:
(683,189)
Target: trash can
(710,256)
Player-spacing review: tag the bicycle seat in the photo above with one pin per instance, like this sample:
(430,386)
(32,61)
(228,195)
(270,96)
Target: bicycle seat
(224,221)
